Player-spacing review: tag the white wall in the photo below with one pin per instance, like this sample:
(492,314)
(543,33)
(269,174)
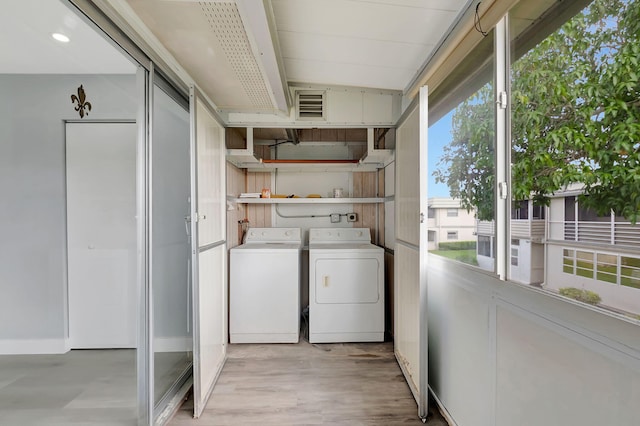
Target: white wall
(613,295)
(32,189)
(506,354)
(530,267)
(355,106)
(303,184)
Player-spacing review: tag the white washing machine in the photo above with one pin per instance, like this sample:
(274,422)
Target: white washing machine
(264,281)
(346,286)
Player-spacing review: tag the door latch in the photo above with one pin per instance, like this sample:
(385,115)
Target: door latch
(502,100)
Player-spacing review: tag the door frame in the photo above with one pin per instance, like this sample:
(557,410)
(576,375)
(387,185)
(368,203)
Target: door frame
(423,349)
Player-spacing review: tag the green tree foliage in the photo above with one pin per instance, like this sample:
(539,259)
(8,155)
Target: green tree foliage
(575,119)
(467,162)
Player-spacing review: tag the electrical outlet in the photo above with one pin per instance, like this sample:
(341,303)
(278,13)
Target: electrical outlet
(352,217)
(335,217)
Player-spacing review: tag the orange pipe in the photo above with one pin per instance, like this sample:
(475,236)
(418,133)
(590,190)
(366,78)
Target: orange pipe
(313,161)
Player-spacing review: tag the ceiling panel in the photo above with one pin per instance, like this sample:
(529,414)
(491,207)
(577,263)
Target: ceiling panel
(28,48)
(376,21)
(360,51)
(319,72)
(208,39)
(362,43)
(365,43)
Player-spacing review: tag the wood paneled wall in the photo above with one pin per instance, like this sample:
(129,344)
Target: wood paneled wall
(380,207)
(365,184)
(235,138)
(259,215)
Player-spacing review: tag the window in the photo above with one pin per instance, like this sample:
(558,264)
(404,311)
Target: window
(462,120)
(431,235)
(568,261)
(514,257)
(584,264)
(431,213)
(607,268)
(630,271)
(538,211)
(572,150)
(520,210)
(610,268)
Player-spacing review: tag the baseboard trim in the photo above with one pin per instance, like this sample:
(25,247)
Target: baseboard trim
(33,346)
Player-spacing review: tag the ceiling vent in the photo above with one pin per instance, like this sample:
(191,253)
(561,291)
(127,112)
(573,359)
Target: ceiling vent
(311,105)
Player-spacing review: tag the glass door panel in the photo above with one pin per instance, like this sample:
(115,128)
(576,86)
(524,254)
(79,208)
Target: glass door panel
(170,242)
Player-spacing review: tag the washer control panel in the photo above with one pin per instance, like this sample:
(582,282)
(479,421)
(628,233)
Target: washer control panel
(273,235)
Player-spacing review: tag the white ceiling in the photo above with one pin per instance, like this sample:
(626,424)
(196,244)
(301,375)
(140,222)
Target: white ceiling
(28,48)
(380,44)
(242,53)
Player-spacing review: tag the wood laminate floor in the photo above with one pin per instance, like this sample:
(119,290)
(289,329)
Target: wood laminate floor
(304,384)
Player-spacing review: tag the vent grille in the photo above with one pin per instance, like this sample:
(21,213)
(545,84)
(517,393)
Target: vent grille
(226,25)
(311,105)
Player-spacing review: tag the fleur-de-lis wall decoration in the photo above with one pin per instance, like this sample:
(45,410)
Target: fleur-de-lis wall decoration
(81,99)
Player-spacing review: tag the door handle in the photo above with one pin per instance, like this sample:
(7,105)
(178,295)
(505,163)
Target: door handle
(187,225)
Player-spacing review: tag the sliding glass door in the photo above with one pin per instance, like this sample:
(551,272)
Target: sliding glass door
(170,266)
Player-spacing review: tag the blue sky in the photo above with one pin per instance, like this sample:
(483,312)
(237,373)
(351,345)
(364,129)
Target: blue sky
(439,136)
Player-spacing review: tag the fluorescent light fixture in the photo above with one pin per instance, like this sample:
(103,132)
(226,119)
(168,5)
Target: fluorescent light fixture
(60,37)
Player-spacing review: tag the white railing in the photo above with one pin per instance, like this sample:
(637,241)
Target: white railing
(524,228)
(614,233)
(485,227)
(520,228)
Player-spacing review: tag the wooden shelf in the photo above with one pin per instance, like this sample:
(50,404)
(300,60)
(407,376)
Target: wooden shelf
(307,200)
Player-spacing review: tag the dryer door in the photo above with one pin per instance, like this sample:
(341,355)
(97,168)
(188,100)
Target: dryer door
(347,280)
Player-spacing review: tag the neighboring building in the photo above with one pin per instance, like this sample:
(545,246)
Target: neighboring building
(526,263)
(448,222)
(597,253)
(566,245)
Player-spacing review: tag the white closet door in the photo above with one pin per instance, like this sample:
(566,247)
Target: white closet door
(101,234)
(410,322)
(209,251)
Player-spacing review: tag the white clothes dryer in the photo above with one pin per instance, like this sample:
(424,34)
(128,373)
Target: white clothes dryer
(264,295)
(346,286)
